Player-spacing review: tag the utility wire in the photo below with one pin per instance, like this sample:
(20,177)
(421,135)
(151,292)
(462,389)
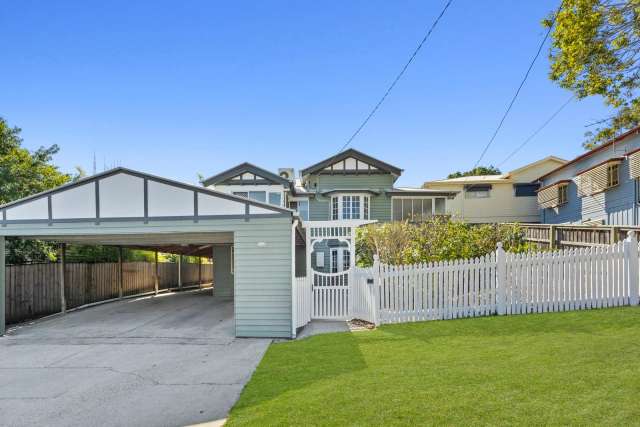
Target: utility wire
(398,77)
(515,96)
(537,131)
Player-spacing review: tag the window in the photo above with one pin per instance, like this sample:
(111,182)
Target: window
(241,193)
(346,259)
(477,191)
(334,261)
(417,209)
(303,209)
(275,199)
(613,177)
(259,196)
(563,194)
(366,208)
(350,207)
(525,190)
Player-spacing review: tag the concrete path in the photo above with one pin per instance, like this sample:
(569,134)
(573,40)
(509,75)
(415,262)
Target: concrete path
(169,360)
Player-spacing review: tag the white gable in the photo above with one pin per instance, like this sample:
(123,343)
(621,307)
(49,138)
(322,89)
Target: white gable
(77,202)
(167,200)
(212,205)
(37,209)
(121,196)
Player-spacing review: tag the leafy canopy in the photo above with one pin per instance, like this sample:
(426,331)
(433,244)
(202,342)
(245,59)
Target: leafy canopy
(596,51)
(480,170)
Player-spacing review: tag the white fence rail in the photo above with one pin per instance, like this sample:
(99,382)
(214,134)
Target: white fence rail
(499,283)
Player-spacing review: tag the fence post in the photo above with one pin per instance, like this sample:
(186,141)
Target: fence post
(3,269)
(63,264)
(631,257)
(501,280)
(552,237)
(376,290)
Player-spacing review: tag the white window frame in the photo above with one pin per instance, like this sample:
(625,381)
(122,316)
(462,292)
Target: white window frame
(433,205)
(340,201)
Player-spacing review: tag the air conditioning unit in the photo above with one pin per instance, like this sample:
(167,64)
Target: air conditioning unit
(286,173)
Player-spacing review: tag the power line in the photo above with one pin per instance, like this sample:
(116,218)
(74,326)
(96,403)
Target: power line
(515,96)
(537,131)
(398,77)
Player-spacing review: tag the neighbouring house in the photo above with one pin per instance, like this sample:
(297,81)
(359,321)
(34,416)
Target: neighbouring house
(348,186)
(597,187)
(509,197)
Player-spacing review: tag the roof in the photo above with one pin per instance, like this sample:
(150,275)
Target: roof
(241,168)
(151,177)
(599,148)
(485,179)
(356,155)
(530,165)
(407,191)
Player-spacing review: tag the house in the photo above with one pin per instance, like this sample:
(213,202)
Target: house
(253,223)
(597,187)
(508,197)
(350,185)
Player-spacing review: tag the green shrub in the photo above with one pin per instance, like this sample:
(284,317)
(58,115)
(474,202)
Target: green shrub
(437,239)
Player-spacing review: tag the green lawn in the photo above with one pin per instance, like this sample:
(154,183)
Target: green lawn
(559,368)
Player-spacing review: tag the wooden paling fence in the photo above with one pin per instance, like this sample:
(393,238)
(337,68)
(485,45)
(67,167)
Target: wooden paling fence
(33,290)
(551,236)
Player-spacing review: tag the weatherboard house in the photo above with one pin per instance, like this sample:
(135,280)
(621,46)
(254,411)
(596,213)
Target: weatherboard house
(260,228)
(599,187)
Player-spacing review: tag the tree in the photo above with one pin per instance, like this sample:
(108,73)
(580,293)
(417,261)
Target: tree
(480,170)
(595,50)
(23,173)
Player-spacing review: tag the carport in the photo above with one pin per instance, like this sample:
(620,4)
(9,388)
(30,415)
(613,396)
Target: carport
(251,243)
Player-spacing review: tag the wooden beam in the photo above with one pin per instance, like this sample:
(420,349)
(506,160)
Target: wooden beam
(62,272)
(2,285)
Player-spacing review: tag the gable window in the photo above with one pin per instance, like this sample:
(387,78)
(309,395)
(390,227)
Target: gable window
(241,194)
(613,175)
(350,206)
(258,196)
(416,209)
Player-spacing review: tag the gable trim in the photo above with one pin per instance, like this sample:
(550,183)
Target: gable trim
(320,166)
(242,168)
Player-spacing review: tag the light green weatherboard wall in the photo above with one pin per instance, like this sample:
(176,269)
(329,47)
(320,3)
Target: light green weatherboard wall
(262,272)
(380,207)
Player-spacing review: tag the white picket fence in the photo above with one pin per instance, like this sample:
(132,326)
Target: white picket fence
(498,283)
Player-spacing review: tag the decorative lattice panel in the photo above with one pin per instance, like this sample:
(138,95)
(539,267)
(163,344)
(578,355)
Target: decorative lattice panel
(548,197)
(634,165)
(594,180)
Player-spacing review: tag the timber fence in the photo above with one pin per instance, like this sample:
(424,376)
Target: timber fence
(33,290)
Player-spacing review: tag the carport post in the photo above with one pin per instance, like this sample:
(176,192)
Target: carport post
(2,286)
(63,264)
(180,272)
(199,272)
(155,276)
(120,284)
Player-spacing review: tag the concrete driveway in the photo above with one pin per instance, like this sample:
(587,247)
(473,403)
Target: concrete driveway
(160,361)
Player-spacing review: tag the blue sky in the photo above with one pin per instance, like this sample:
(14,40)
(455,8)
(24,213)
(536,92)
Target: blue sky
(180,88)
